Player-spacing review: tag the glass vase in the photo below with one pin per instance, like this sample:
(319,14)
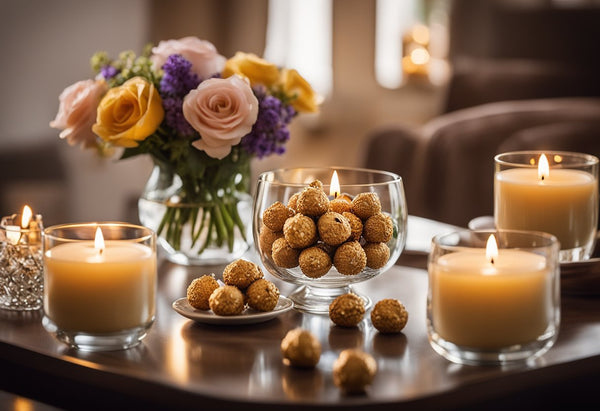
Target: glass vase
(199,221)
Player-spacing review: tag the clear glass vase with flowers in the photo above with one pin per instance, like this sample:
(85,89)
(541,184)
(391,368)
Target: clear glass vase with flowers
(202,118)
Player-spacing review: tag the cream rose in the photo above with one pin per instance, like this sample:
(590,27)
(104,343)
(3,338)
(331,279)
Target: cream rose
(77,112)
(222,111)
(129,113)
(203,55)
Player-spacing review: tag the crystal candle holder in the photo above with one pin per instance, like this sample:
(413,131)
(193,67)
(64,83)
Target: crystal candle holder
(494,296)
(21,267)
(100,281)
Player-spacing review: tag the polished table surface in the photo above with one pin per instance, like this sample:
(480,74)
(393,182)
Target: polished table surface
(183,364)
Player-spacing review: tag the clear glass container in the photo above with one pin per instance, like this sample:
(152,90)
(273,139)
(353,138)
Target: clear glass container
(493,308)
(315,294)
(100,294)
(562,200)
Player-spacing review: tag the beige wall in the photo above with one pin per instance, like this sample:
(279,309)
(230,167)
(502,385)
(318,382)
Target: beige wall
(46,46)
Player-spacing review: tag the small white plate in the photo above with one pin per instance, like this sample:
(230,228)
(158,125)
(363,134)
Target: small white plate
(249,316)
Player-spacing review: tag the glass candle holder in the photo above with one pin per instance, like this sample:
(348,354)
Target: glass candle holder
(316,291)
(489,305)
(21,273)
(100,278)
(556,193)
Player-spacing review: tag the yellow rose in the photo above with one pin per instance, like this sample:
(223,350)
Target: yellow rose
(304,97)
(255,69)
(129,113)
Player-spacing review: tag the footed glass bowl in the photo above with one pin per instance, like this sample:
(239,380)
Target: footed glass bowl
(315,294)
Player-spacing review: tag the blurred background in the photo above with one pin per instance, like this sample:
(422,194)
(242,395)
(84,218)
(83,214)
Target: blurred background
(377,63)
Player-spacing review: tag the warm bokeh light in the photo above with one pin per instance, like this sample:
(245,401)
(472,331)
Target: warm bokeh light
(419,56)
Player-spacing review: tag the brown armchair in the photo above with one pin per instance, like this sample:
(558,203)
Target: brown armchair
(447,164)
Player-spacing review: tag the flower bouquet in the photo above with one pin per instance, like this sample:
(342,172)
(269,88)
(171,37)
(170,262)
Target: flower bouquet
(201,117)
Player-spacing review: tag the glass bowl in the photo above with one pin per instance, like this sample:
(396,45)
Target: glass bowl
(315,294)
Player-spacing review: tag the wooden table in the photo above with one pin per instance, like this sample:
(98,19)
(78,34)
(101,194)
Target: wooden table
(182,364)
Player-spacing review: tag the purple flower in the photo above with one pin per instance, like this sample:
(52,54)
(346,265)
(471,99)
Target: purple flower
(109,71)
(174,116)
(270,132)
(178,78)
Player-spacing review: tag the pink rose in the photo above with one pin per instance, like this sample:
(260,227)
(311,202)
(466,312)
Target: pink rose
(222,111)
(77,112)
(203,55)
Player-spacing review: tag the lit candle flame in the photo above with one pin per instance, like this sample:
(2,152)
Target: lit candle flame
(491,249)
(99,241)
(26,216)
(334,189)
(543,167)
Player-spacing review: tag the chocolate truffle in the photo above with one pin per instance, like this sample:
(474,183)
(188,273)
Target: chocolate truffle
(389,316)
(312,202)
(293,202)
(262,295)
(350,258)
(241,273)
(300,231)
(283,255)
(347,310)
(378,228)
(364,205)
(340,205)
(333,228)
(226,300)
(314,262)
(266,238)
(378,254)
(300,348)
(354,370)
(274,217)
(356,225)
(200,290)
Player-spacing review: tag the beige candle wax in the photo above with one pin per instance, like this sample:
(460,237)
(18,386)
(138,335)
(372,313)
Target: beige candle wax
(98,292)
(563,203)
(489,305)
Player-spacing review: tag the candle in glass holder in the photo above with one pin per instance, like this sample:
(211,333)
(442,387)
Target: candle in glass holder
(99,287)
(489,304)
(21,274)
(561,200)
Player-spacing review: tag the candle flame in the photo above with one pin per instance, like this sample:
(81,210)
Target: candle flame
(491,249)
(26,216)
(99,241)
(543,167)
(334,189)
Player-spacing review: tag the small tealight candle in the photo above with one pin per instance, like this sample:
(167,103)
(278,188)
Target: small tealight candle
(493,304)
(100,293)
(555,193)
(21,261)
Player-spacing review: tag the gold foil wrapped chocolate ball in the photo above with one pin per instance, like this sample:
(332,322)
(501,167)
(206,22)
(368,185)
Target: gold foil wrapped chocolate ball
(353,371)
(389,316)
(347,310)
(200,290)
(300,348)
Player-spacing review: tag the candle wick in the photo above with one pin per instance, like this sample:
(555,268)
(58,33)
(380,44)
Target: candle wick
(492,260)
(543,178)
